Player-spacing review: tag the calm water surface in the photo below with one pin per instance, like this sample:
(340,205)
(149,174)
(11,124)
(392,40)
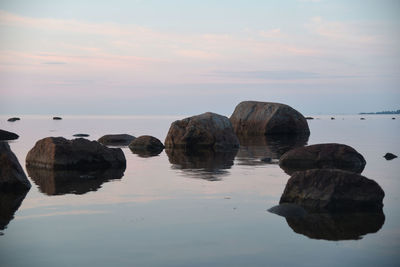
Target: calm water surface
(208,209)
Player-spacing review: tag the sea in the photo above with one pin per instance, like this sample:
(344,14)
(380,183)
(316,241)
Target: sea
(206,209)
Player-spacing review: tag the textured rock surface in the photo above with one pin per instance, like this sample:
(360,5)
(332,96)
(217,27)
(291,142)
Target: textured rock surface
(5,135)
(204,131)
(60,153)
(264,118)
(330,226)
(333,190)
(331,156)
(12,176)
(116,139)
(146,143)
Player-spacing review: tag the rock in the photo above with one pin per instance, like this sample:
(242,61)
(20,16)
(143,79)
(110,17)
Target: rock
(116,139)
(9,204)
(12,176)
(81,135)
(254,148)
(13,119)
(57,118)
(266,160)
(322,156)
(204,131)
(146,144)
(60,182)
(309,118)
(5,135)
(78,154)
(393,118)
(332,118)
(263,118)
(362,118)
(204,164)
(333,190)
(389,156)
(330,226)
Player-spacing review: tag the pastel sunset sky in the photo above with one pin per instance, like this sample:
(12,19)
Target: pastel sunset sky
(189,57)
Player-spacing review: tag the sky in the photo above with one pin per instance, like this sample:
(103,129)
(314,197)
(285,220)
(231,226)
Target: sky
(180,57)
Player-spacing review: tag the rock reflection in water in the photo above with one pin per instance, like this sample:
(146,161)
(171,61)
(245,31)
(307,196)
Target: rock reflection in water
(254,148)
(203,164)
(9,204)
(330,226)
(60,182)
(146,154)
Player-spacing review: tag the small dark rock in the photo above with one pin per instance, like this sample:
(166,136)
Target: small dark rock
(389,156)
(81,135)
(393,118)
(13,119)
(309,118)
(57,118)
(146,143)
(116,139)
(362,118)
(5,135)
(332,118)
(266,160)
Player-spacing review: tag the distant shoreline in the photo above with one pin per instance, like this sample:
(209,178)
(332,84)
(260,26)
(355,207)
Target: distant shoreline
(381,112)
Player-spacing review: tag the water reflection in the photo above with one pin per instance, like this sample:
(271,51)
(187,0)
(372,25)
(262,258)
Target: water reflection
(203,164)
(330,226)
(255,148)
(9,204)
(60,182)
(146,153)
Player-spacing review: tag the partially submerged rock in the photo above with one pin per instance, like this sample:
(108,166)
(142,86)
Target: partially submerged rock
(116,139)
(77,154)
(81,135)
(389,156)
(57,118)
(309,118)
(330,226)
(6,135)
(146,145)
(13,119)
(204,131)
(12,176)
(321,156)
(60,182)
(333,190)
(265,118)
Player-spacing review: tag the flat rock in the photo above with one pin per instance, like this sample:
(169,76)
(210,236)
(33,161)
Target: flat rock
(146,143)
(333,190)
(205,131)
(265,118)
(389,156)
(57,118)
(5,135)
(116,139)
(81,135)
(12,176)
(77,154)
(321,156)
(13,119)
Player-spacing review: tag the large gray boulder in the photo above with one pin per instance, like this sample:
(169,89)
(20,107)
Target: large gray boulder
(333,190)
(116,139)
(6,135)
(12,176)
(205,131)
(265,118)
(77,154)
(322,156)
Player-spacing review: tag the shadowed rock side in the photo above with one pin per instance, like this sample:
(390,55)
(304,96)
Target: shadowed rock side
(116,139)
(333,190)
(330,226)
(6,135)
(265,118)
(204,131)
(77,154)
(60,182)
(146,146)
(254,150)
(204,164)
(12,176)
(9,204)
(330,156)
